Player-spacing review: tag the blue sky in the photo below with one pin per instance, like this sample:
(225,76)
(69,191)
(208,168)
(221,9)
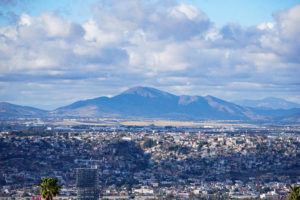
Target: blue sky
(56,52)
(244,12)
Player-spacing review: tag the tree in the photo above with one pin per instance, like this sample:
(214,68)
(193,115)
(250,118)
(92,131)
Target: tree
(294,193)
(49,188)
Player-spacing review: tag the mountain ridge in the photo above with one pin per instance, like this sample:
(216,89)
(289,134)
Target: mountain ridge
(13,110)
(269,102)
(147,102)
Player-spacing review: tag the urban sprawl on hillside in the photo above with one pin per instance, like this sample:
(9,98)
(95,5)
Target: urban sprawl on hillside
(215,161)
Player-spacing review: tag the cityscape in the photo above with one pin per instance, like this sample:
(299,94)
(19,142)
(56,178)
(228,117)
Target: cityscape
(219,160)
(149,99)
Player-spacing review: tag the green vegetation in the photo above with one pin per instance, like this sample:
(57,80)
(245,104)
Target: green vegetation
(49,188)
(294,193)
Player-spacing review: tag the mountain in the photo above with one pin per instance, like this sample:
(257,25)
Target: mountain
(148,102)
(270,102)
(11,110)
(291,118)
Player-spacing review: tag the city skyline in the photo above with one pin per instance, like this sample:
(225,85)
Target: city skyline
(55,53)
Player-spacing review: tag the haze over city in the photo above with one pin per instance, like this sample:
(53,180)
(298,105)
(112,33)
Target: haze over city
(57,52)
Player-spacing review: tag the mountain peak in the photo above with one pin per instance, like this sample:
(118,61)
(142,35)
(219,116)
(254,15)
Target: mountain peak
(147,92)
(147,102)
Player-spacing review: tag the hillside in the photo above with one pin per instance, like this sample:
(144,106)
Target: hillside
(12,110)
(152,103)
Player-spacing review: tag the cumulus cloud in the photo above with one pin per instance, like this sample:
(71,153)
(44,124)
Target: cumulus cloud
(175,47)
(287,22)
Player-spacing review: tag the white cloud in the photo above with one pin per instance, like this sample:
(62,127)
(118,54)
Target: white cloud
(169,46)
(95,34)
(47,25)
(187,11)
(283,39)
(288,22)
(25,20)
(265,26)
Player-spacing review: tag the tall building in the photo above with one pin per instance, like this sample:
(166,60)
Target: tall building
(87,183)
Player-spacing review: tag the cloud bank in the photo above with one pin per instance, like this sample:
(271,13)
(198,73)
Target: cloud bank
(48,61)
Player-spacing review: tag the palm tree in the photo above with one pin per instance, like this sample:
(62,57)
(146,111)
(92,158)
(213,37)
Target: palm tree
(294,193)
(49,188)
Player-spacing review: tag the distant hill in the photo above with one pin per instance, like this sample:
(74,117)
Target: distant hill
(152,103)
(270,102)
(147,103)
(291,118)
(12,110)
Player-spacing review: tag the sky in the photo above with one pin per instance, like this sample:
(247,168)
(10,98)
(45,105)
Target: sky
(53,53)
